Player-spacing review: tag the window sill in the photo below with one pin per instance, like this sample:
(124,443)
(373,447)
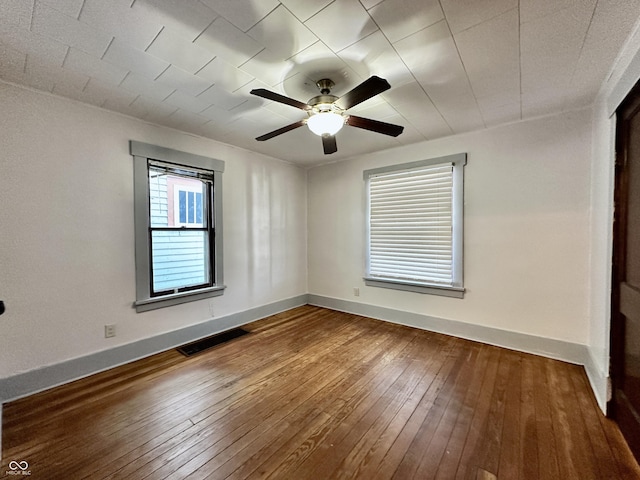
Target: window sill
(178,298)
(453,292)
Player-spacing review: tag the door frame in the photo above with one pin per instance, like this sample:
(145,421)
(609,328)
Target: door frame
(630,105)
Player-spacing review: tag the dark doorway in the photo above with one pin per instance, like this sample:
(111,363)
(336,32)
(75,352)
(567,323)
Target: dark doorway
(625,300)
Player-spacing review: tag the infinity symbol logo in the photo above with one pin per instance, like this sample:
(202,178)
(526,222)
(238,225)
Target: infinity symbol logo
(13,465)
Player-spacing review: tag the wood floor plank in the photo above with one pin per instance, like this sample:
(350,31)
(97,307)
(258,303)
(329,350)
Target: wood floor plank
(313,393)
(479,424)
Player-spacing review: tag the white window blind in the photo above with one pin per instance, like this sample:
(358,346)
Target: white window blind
(411,225)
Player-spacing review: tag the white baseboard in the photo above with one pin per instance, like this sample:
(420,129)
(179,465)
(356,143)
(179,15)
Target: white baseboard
(599,382)
(34,381)
(557,349)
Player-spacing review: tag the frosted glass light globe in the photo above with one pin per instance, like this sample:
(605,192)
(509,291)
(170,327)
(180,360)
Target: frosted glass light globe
(325,123)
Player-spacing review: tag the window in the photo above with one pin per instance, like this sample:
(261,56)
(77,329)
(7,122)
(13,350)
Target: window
(178,226)
(187,206)
(414,226)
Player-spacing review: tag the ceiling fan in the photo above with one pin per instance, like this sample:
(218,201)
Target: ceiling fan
(327,113)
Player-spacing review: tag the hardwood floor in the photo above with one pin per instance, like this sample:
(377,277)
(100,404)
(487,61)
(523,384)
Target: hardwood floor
(317,394)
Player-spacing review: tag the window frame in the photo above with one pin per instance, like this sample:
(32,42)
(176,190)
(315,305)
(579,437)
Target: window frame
(456,289)
(143,153)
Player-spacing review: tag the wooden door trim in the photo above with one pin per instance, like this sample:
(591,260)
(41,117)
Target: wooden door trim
(627,109)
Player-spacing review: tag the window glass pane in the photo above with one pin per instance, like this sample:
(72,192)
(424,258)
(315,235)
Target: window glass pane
(191,206)
(182,198)
(198,207)
(179,259)
(158,206)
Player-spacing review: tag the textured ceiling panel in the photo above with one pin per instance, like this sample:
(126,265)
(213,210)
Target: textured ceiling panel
(453,65)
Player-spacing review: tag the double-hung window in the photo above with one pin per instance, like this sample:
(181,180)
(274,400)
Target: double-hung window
(178,224)
(414,226)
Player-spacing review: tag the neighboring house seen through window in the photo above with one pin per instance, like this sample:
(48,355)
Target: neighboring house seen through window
(178,217)
(414,226)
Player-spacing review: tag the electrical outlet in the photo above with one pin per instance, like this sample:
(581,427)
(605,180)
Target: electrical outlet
(356,292)
(109,331)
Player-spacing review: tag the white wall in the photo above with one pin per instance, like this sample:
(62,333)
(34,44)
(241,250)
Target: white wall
(526,258)
(66,230)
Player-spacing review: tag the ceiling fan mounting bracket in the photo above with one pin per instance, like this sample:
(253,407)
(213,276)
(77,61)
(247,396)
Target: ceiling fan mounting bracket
(325,85)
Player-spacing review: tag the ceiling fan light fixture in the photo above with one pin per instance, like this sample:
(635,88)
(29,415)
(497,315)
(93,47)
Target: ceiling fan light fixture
(325,123)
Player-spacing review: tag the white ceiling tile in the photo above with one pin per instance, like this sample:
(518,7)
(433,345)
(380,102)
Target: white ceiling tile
(374,55)
(245,14)
(432,56)
(535,9)
(80,62)
(352,139)
(12,62)
(184,81)
(124,56)
(287,112)
(414,104)
(550,49)
(499,114)
(69,31)
(282,33)
(313,64)
(341,24)
(542,102)
(118,104)
(141,108)
(187,102)
(250,103)
(375,108)
(225,40)
(462,14)
(190,17)
(16,12)
(221,98)
(152,108)
(119,99)
(216,114)
(68,7)
(368,4)
(62,77)
(172,47)
(42,73)
(144,86)
(268,67)
(117,19)
(184,119)
(33,44)
(96,93)
(601,46)
(401,18)
(410,135)
(223,74)
(303,9)
(491,55)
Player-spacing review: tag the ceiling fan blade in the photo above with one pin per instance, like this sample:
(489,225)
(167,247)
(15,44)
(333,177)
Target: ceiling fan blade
(276,97)
(375,125)
(367,89)
(280,131)
(329,144)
